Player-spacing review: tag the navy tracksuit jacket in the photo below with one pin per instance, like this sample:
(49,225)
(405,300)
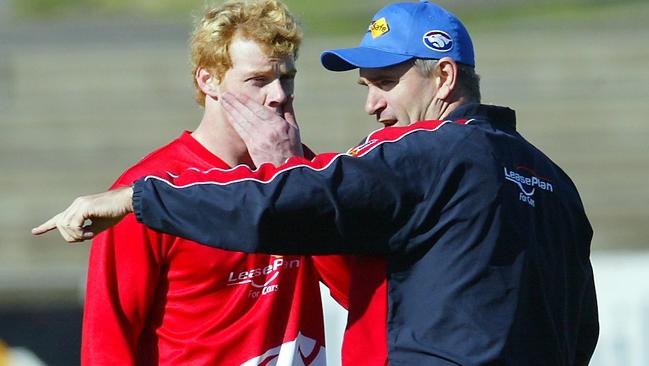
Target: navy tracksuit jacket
(486,238)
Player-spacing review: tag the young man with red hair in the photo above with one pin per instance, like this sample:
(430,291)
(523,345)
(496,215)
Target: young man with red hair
(158,299)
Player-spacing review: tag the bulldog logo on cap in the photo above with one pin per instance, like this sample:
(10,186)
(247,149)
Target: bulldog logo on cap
(438,41)
(379,27)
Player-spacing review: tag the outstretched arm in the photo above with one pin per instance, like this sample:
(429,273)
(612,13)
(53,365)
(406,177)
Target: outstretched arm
(336,203)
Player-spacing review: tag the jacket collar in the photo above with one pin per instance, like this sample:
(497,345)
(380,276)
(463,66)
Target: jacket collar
(501,117)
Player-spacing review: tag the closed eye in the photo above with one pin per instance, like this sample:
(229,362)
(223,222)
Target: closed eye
(258,80)
(385,84)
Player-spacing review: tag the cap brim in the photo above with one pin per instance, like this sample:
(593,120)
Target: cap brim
(344,59)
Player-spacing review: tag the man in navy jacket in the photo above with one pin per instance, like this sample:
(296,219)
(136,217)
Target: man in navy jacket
(486,239)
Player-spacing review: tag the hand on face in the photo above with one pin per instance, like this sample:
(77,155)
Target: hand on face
(103,210)
(262,110)
(269,136)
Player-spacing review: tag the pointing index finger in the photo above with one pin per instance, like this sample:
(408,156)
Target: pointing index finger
(48,225)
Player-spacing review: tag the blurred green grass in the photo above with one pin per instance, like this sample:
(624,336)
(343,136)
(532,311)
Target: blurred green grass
(343,17)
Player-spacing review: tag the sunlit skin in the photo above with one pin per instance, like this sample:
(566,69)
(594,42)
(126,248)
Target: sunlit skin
(266,80)
(400,95)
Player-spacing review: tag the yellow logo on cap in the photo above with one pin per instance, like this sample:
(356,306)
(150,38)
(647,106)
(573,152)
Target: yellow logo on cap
(379,27)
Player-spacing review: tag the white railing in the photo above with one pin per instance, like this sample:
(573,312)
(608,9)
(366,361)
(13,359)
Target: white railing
(622,283)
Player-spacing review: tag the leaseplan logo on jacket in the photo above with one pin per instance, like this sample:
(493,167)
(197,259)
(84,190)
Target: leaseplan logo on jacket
(263,279)
(528,182)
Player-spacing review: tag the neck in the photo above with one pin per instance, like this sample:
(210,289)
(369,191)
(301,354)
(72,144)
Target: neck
(440,109)
(217,136)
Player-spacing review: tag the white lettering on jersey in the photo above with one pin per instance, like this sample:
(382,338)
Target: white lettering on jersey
(262,278)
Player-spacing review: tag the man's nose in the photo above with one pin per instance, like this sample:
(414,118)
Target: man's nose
(277,94)
(374,102)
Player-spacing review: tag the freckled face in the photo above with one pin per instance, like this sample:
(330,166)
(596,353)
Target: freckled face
(265,79)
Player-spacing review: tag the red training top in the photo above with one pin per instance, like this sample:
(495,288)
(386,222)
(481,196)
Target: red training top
(157,299)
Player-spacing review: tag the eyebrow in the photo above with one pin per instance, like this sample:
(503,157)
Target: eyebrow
(270,70)
(375,78)
(382,76)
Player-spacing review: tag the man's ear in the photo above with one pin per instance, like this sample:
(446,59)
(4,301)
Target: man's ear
(445,77)
(207,83)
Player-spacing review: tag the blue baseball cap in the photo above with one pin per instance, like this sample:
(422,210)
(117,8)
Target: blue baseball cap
(402,31)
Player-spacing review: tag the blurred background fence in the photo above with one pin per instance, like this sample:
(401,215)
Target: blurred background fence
(87,87)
